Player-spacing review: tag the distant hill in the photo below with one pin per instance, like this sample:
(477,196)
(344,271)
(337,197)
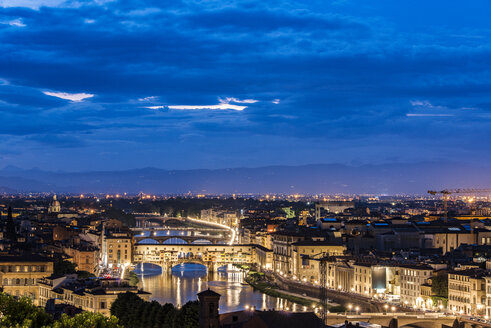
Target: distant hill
(5,190)
(310,179)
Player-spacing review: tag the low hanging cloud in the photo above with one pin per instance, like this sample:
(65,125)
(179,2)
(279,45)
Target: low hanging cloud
(425,104)
(224,104)
(75,97)
(428,115)
(155,107)
(150,98)
(15,22)
(237,101)
(33,4)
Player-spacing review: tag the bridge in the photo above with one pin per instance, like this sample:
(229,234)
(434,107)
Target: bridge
(153,220)
(212,256)
(396,320)
(181,237)
(166,228)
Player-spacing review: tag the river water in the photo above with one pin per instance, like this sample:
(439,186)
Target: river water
(186,280)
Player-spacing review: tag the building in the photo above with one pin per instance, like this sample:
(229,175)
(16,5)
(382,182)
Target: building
(340,274)
(208,310)
(447,237)
(467,291)
(85,257)
(362,281)
(331,207)
(92,296)
(264,257)
(488,295)
(282,243)
(305,258)
(210,318)
(117,248)
(54,206)
(19,274)
(413,277)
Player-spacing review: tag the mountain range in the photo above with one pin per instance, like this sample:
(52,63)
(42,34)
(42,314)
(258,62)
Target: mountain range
(390,179)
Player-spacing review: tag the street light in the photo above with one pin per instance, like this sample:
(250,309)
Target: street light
(357,308)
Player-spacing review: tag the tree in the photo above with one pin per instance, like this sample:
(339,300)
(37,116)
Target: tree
(85,274)
(86,320)
(63,267)
(439,285)
(127,219)
(21,313)
(134,312)
(133,279)
(188,316)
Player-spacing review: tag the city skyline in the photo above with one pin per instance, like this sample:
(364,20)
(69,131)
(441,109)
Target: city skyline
(115,85)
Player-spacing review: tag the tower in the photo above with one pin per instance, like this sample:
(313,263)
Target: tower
(55,206)
(208,309)
(11,234)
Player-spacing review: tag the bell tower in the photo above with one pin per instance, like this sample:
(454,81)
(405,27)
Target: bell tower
(208,309)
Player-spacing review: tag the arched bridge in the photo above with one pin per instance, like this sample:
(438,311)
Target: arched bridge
(396,320)
(212,256)
(152,220)
(191,238)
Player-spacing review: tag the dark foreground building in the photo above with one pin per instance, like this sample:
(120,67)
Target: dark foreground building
(210,318)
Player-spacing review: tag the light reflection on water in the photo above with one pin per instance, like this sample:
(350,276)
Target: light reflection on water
(186,280)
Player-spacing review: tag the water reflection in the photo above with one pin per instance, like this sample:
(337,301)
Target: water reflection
(186,280)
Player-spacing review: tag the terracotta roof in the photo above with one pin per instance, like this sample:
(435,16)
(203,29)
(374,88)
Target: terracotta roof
(208,292)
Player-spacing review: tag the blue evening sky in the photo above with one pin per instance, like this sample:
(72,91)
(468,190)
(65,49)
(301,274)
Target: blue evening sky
(105,85)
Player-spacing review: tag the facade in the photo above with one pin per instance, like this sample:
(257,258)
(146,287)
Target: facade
(413,277)
(264,257)
(282,243)
(487,279)
(93,298)
(331,207)
(85,257)
(19,274)
(340,275)
(54,206)
(305,255)
(362,281)
(467,292)
(117,249)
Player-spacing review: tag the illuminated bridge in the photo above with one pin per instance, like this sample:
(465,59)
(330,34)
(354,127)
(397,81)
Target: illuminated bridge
(171,236)
(152,220)
(212,256)
(397,320)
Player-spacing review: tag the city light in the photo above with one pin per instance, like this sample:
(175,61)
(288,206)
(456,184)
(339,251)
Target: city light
(226,163)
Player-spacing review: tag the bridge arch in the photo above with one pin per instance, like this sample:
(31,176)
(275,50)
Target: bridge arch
(148,241)
(202,242)
(147,268)
(189,268)
(174,240)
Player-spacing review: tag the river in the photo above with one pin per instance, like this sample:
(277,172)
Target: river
(186,280)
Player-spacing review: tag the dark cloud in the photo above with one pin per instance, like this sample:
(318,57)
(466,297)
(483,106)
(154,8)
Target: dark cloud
(347,78)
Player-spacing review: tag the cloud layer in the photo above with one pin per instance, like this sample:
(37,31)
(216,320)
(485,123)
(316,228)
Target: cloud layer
(190,84)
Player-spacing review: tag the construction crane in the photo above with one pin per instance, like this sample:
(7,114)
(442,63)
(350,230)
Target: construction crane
(447,192)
